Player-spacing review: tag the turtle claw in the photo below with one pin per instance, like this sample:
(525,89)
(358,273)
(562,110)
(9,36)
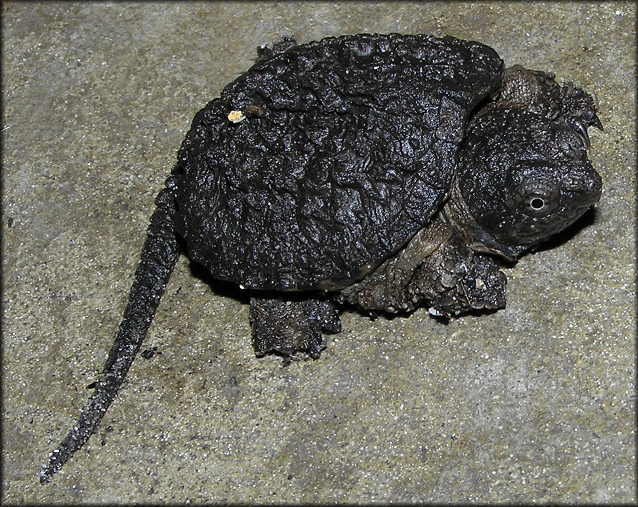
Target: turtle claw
(595,122)
(580,126)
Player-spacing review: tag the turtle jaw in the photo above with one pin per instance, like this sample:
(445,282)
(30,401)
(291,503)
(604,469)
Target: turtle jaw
(457,213)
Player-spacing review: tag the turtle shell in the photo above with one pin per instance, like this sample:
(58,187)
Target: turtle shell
(324,159)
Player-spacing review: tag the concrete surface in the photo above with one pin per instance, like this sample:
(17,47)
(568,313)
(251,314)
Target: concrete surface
(534,403)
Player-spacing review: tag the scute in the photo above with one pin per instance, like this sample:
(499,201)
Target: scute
(347,148)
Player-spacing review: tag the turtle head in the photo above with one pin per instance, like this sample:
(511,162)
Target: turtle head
(523,172)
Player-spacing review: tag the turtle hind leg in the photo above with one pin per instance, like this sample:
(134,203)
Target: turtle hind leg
(288,324)
(159,255)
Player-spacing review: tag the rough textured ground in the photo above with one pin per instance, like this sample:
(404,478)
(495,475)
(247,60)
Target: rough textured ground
(532,403)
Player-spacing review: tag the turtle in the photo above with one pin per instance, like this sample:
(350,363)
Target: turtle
(382,171)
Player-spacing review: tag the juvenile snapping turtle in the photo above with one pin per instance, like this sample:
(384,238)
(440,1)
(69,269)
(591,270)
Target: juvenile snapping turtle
(385,171)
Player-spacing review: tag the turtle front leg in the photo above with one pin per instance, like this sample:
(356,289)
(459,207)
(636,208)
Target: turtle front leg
(481,286)
(286,324)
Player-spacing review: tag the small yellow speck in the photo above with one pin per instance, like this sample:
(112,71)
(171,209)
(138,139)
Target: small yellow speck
(236,116)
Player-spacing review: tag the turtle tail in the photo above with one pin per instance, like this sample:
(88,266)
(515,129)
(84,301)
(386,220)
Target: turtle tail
(159,255)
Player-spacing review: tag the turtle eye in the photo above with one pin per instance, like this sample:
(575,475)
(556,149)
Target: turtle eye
(537,195)
(537,204)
